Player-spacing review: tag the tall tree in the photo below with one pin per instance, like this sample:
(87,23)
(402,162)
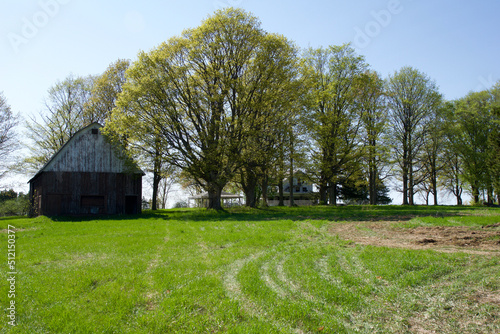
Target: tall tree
(104,92)
(202,92)
(473,126)
(451,177)
(372,103)
(150,150)
(432,154)
(8,142)
(64,116)
(333,76)
(494,141)
(412,96)
(277,110)
(169,178)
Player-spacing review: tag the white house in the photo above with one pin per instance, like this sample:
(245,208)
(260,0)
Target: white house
(303,191)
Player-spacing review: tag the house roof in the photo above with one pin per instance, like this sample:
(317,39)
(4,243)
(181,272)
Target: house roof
(50,164)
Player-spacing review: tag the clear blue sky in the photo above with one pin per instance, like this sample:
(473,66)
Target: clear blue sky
(456,43)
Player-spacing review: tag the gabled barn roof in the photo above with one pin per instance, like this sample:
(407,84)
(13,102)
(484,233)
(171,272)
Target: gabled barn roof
(89,151)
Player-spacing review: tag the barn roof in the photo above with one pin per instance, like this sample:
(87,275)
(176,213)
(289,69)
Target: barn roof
(89,151)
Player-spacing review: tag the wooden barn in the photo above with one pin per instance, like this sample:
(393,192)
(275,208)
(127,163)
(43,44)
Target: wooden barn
(88,175)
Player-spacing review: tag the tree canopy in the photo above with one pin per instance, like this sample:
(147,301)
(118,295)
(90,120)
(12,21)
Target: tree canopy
(204,94)
(227,104)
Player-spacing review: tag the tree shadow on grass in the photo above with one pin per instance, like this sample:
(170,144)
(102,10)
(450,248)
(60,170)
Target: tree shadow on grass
(329,213)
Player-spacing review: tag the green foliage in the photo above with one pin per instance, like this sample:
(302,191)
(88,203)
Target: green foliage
(375,157)
(8,138)
(494,141)
(180,205)
(104,92)
(12,204)
(231,104)
(359,193)
(334,77)
(7,195)
(412,100)
(64,116)
(471,130)
(205,94)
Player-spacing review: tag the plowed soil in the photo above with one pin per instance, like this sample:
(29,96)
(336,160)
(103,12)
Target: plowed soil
(485,240)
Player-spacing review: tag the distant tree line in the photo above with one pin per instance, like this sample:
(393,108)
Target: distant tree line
(13,204)
(227,104)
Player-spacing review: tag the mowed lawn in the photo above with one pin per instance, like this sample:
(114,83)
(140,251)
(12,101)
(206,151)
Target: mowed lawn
(278,270)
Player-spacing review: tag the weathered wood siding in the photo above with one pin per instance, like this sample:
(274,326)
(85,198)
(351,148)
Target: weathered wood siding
(88,152)
(81,193)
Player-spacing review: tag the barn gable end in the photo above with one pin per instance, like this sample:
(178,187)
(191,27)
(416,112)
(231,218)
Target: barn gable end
(88,175)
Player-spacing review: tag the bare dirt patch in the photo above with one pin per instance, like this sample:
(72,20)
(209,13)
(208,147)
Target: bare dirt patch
(484,240)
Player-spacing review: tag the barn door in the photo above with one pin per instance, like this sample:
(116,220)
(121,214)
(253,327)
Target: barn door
(131,205)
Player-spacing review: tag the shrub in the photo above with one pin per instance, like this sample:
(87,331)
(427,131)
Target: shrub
(181,205)
(15,207)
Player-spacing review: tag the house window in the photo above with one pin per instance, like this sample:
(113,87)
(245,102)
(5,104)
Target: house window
(95,131)
(297,189)
(304,189)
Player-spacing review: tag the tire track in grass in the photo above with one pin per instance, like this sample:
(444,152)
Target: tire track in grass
(294,287)
(322,306)
(152,296)
(354,267)
(234,291)
(288,279)
(273,274)
(284,288)
(270,283)
(323,270)
(351,266)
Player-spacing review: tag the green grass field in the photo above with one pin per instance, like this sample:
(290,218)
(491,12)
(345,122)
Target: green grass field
(278,270)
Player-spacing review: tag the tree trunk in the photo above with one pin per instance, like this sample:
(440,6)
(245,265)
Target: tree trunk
(435,191)
(372,173)
(291,171)
(323,188)
(214,197)
(251,195)
(156,183)
(373,185)
(405,171)
(291,183)
(249,185)
(157,164)
(164,195)
(458,190)
(411,192)
(475,194)
(280,193)
(405,187)
(332,192)
(489,191)
(281,176)
(433,172)
(265,181)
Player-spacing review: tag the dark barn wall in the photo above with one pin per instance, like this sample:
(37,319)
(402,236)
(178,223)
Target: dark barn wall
(83,193)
